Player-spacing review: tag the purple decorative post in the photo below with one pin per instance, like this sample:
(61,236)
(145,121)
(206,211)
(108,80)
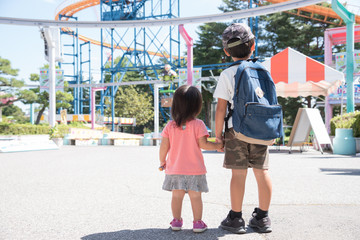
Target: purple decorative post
(189,44)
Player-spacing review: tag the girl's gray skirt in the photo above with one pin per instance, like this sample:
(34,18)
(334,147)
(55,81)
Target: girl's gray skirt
(196,183)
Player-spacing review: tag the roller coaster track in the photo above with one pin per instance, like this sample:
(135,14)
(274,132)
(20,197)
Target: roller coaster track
(252,12)
(315,12)
(67,11)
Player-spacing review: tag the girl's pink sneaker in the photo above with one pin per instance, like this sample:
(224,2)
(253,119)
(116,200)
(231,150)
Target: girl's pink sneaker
(176,224)
(199,226)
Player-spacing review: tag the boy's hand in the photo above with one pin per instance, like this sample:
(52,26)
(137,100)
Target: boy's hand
(220,140)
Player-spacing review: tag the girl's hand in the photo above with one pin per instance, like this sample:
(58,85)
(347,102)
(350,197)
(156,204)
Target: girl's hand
(220,140)
(162,166)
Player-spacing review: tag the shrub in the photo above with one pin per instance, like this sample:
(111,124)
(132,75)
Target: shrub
(347,120)
(22,129)
(30,129)
(58,131)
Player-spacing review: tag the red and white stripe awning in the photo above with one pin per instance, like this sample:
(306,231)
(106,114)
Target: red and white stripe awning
(295,75)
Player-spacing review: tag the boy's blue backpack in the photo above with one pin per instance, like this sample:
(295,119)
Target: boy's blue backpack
(256,113)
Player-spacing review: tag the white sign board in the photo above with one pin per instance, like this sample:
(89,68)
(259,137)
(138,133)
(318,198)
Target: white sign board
(307,119)
(44,80)
(196,77)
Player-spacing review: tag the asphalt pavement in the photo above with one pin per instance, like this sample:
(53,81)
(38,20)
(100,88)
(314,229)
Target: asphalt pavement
(108,193)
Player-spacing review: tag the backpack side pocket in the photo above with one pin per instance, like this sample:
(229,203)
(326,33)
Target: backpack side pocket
(262,121)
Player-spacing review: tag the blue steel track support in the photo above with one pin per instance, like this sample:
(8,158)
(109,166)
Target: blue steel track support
(144,49)
(74,61)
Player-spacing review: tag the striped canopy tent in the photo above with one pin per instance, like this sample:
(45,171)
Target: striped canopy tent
(295,75)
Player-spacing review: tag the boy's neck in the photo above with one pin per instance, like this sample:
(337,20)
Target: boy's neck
(244,58)
(238,59)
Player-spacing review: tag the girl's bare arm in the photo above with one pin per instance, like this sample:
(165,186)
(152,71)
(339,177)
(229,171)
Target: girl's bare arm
(205,144)
(164,148)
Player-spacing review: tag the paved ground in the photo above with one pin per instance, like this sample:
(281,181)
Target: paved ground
(108,193)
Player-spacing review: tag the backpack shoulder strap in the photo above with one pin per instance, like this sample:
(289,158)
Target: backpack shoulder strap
(228,116)
(230,111)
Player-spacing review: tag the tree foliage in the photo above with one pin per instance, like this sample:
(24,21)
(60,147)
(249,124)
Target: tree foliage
(133,104)
(134,101)
(11,88)
(15,112)
(285,30)
(63,98)
(208,48)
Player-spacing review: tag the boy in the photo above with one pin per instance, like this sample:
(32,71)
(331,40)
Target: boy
(238,42)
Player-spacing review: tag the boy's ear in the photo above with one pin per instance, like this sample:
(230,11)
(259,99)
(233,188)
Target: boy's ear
(226,52)
(253,47)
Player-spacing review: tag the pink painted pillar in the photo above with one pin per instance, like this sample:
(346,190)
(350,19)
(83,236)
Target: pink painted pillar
(189,44)
(328,61)
(328,48)
(93,90)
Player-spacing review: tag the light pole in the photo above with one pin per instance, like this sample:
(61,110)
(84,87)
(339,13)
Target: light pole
(93,90)
(349,19)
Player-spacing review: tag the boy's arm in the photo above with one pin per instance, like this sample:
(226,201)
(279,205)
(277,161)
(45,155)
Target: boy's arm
(164,148)
(219,118)
(205,144)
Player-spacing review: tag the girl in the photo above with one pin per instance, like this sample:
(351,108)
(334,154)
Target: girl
(180,155)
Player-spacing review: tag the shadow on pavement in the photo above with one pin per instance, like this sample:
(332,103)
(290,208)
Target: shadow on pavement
(341,171)
(281,151)
(159,234)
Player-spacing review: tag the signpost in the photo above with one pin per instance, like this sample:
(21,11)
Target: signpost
(307,119)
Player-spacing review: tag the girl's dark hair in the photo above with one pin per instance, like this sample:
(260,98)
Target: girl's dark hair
(242,50)
(186,105)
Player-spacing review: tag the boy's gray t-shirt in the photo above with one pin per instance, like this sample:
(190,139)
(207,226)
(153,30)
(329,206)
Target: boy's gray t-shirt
(225,87)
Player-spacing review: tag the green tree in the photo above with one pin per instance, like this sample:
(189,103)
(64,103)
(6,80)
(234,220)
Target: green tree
(302,34)
(63,98)
(11,88)
(133,104)
(134,101)
(15,112)
(290,108)
(208,48)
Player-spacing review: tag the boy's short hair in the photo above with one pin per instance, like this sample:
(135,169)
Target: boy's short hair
(238,39)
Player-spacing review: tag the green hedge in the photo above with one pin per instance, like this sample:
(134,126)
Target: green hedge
(30,129)
(347,120)
(23,129)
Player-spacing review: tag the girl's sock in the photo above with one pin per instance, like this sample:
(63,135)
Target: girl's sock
(260,214)
(234,215)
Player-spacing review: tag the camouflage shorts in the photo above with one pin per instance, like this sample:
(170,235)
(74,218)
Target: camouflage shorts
(242,155)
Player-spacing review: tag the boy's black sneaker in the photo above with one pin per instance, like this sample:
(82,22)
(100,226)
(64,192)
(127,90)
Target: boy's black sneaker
(263,225)
(236,225)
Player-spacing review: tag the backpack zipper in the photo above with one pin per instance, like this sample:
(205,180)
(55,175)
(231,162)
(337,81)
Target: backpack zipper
(255,103)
